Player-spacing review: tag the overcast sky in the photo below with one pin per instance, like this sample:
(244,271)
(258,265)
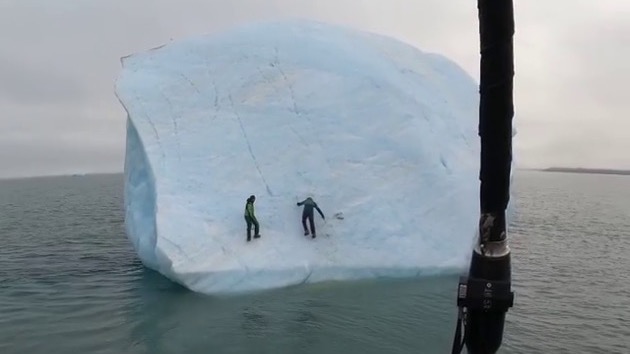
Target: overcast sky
(59,60)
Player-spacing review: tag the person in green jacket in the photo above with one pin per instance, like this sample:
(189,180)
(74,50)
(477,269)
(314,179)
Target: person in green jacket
(250,218)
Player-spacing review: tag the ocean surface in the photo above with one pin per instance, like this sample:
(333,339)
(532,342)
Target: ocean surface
(70,283)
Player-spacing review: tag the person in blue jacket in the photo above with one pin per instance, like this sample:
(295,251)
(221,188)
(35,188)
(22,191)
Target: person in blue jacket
(307,213)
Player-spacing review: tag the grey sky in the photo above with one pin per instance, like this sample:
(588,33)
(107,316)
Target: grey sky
(59,60)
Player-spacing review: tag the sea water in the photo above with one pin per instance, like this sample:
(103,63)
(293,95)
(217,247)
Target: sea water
(70,282)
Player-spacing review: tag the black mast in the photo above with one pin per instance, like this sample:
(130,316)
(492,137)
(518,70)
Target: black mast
(485,295)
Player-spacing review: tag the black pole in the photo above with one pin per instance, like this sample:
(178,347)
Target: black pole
(485,295)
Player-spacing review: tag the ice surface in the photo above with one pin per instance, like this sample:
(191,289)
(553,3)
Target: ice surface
(370,127)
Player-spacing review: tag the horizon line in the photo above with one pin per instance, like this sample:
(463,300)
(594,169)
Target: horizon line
(121,172)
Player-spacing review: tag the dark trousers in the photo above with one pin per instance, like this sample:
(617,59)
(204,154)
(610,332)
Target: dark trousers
(310,221)
(250,221)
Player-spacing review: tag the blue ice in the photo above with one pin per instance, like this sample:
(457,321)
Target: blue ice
(372,128)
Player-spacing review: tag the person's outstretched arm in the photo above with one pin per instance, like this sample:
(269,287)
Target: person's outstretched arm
(319,211)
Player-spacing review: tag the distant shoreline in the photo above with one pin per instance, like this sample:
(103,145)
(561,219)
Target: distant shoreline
(62,175)
(599,171)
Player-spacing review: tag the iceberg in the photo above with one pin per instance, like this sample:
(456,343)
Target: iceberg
(382,135)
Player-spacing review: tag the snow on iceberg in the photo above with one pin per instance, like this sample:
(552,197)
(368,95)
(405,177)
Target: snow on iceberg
(374,129)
